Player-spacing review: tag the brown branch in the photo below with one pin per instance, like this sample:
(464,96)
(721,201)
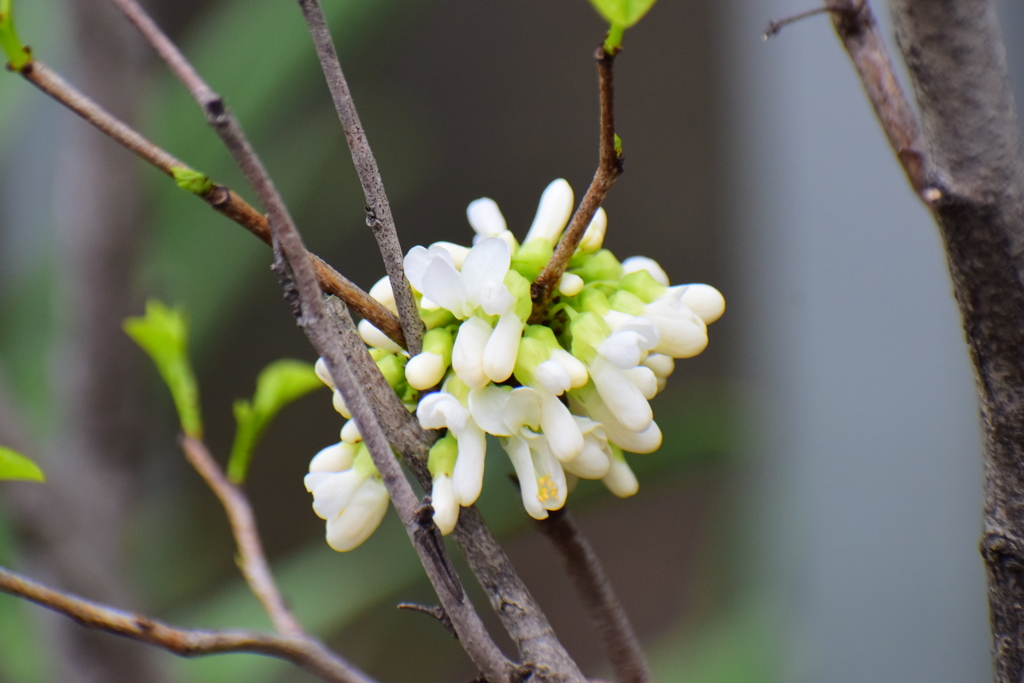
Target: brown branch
(856,26)
(378,209)
(295,269)
(776,25)
(306,653)
(251,560)
(595,590)
(608,170)
(220,198)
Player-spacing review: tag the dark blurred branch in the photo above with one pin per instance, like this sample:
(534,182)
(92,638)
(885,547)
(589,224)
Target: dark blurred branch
(595,590)
(378,209)
(608,170)
(295,269)
(775,26)
(972,180)
(220,198)
(306,653)
(251,560)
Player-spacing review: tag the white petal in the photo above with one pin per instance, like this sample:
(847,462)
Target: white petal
(323,373)
(593,238)
(553,212)
(661,364)
(563,434)
(382,292)
(636,263)
(620,480)
(552,487)
(570,284)
(468,476)
(645,328)
(594,460)
(457,252)
(334,458)
(578,374)
(617,319)
(519,453)
(485,405)
(360,518)
(350,432)
(644,379)
(682,336)
(485,217)
(425,370)
(622,349)
(339,405)
(315,479)
(495,298)
(439,410)
(522,409)
(441,283)
(488,261)
(553,376)
(704,300)
(503,347)
(374,337)
(623,399)
(446,508)
(335,492)
(415,264)
(429,305)
(468,352)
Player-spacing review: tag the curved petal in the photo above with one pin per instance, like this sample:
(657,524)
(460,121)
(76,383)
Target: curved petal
(635,263)
(578,374)
(519,453)
(442,284)
(662,365)
(704,300)
(622,348)
(335,492)
(553,376)
(439,410)
(622,397)
(468,476)
(485,405)
(334,458)
(456,252)
(681,336)
(360,518)
(446,508)
(644,379)
(468,352)
(425,370)
(485,217)
(564,437)
(415,264)
(523,408)
(488,260)
(553,212)
(594,460)
(646,441)
(382,292)
(620,479)
(374,337)
(503,347)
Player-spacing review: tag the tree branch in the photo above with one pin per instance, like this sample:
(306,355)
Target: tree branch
(608,170)
(973,182)
(595,590)
(295,269)
(306,652)
(378,209)
(251,560)
(220,198)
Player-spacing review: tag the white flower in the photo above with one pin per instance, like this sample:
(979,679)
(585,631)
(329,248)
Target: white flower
(351,499)
(478,285)
(620,479)
(441,463)
(552,213)
(645,441)
(486,220)
(618,355)
(595,459)
(374,337)
(704,300)
(442,410)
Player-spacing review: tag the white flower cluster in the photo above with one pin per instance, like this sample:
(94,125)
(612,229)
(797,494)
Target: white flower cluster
(565,398)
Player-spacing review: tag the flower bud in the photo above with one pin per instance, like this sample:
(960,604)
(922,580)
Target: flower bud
(593,238)
(552,213)
(620,479)
(570,284)
(637,263)
(350,432)
(704,300)
(374,337)
(339,405)
(323,373)
(382,292)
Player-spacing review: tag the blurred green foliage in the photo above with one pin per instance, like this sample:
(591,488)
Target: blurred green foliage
(14,465)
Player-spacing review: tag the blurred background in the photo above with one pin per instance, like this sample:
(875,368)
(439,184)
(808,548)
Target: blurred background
(815,511)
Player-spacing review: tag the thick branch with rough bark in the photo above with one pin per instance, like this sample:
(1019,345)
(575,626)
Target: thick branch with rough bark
(378,209)
(305,652)
(972,179)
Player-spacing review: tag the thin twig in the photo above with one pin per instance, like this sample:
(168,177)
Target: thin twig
(608,170)
(856,26)
(595,590)
(378,209)
(306,653)
(251,560)
(295,269)
(776,25)
(220,198)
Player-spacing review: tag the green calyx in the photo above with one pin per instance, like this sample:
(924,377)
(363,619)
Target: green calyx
(436,317)
(643,285)
(532,352)
(439,341)
(363,463)
(442,456)
(593,300)
(627,302)
(192,180)
(600,267)
(519,287)
(19,56)
(588,331)
(392,366)
(457,388)
(532,257)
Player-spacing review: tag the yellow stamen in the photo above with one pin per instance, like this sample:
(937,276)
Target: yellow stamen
(546,489)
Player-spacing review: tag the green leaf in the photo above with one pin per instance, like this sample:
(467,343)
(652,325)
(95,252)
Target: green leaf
(14,465)
(277,385)
(18,55)
(163,334)
(192,180)
(622,13)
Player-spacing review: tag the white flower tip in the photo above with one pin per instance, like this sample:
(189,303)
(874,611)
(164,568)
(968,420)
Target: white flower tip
(374,337)
(350,432)
(382,292)
(620,480)
(704,300)
(456,251)
(339,405)
(446,508)
(637,263)
(323,373)
(360,518)
(593,238)
(334,458)
(553,211)
(553,376)
(660,364)
(485,217)
(425,370)
(570,284)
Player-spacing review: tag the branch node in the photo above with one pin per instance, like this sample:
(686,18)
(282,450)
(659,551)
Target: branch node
(435,611)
